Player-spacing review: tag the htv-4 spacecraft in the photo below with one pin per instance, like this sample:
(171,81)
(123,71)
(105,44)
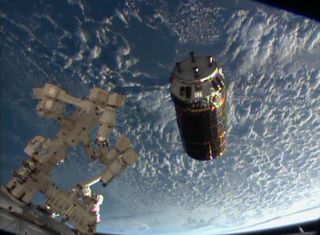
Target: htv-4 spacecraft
(199,93)
(78,206)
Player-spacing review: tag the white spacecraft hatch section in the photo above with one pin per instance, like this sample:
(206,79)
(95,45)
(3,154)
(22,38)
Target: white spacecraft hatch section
(78,206)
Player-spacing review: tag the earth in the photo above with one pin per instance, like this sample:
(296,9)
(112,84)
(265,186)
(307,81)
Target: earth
(271,169)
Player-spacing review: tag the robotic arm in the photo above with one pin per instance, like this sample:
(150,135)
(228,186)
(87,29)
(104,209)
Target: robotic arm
(116,100)
(107,122)
(118,166)
(108,119)
(122,145)
(103,98)
(78,205)
(52,99)
(116,160)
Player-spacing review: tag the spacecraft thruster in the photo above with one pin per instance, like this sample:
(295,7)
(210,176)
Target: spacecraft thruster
(198,91)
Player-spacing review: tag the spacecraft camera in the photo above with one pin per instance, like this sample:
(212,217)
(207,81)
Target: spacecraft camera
(199,93)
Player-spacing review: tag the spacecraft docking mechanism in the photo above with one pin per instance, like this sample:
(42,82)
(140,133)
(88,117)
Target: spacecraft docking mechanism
(198,91)
(78,205)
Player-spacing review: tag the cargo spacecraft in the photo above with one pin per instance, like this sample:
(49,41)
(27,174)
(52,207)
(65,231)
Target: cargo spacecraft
(198,91)
(77,206)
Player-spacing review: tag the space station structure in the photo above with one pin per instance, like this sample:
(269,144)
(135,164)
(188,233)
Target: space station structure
(77,206)
(199,93)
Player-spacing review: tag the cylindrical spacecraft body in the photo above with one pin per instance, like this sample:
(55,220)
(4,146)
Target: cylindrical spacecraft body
(199,93)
